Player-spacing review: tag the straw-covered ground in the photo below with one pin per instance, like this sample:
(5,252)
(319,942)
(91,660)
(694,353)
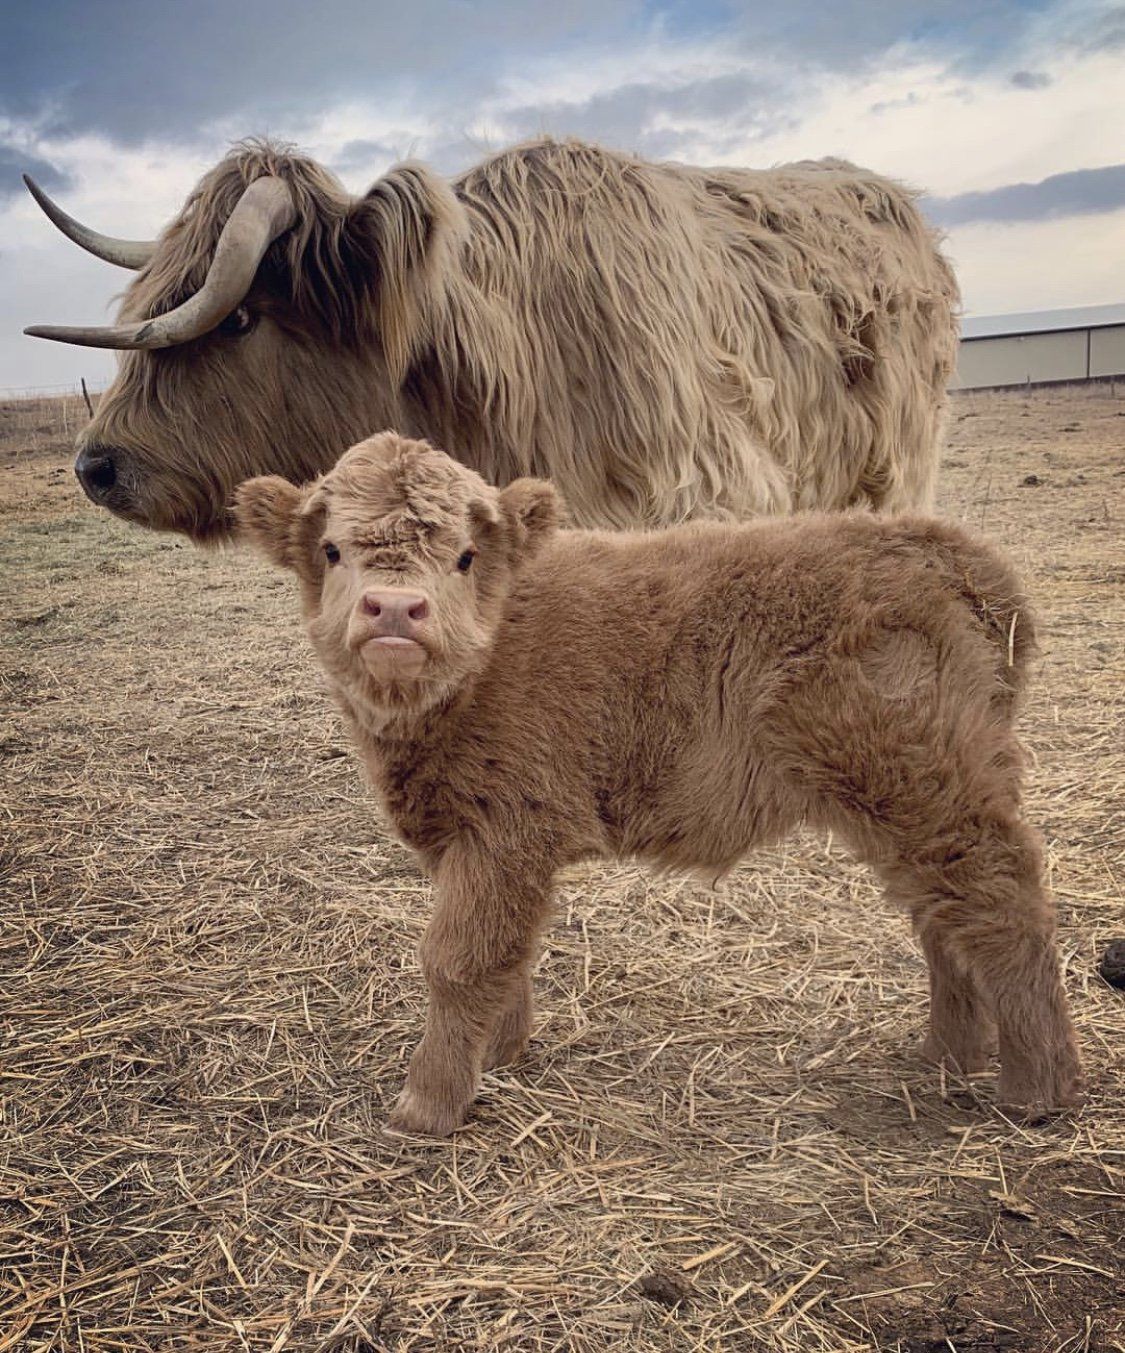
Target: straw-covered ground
(723,1136)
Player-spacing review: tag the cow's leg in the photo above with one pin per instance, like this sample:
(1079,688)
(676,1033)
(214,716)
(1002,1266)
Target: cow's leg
(983,911)
(962,1034)
(476,957)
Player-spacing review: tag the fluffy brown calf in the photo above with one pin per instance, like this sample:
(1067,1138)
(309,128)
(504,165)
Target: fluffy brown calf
(524,698)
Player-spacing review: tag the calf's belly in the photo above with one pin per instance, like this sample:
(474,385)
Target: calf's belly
(711,814)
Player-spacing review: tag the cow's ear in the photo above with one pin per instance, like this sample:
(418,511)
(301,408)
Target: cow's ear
(533,510)
(403,234)
(268,512)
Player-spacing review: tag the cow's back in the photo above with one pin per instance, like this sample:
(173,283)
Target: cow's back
(670,343)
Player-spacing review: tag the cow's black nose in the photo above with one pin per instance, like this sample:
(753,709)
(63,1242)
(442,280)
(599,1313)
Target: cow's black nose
(96,472)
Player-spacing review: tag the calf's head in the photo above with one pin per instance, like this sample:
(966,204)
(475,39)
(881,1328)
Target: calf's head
(405,558)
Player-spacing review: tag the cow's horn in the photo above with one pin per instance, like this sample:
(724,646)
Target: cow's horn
(263,212)
(125,253)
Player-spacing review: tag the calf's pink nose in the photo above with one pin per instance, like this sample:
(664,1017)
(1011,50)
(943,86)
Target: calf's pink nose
(395,612)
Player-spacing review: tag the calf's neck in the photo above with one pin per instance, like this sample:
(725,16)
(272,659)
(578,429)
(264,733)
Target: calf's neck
(525,697)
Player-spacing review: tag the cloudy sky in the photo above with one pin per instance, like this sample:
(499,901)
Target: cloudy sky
(1008,113)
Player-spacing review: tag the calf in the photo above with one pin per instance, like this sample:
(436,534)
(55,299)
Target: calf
(525,697)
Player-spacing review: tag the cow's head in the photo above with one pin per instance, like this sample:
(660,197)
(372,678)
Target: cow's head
(268,328)
(405,558)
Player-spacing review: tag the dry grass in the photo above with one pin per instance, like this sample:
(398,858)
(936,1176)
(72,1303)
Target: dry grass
(722,1137)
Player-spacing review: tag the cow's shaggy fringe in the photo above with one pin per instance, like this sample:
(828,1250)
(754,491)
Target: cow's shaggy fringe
(664,342)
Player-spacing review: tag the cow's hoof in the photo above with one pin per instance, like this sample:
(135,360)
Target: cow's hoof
(1112,966)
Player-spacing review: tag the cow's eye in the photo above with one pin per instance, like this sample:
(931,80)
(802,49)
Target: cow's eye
(331,553)
(466,561)
(240,321)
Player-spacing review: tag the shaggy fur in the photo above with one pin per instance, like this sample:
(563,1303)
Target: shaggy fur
(681,696)
(663,342)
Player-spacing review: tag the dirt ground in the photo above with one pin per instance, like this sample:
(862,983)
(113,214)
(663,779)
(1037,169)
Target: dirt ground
(723,1137)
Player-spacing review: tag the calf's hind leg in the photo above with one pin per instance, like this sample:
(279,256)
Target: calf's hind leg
(928,790)
(476,957)
(983,912)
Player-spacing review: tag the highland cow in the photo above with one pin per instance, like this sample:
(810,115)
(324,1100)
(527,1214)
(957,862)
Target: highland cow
(663,342)
(525,698)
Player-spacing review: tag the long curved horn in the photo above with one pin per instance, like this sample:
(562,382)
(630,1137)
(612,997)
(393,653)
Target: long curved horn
(263,212)
(125,253)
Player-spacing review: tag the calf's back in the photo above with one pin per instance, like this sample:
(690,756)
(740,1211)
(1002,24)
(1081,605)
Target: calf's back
(676,695)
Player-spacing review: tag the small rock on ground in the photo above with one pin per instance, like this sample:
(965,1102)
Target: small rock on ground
(1112,966)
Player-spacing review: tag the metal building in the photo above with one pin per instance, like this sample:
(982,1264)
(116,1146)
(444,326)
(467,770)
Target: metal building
(1041,346)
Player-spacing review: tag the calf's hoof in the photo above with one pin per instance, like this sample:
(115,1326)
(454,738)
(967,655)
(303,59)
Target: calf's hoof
(419,1117)
(1035,1101)
(967,1060)
(504,1051)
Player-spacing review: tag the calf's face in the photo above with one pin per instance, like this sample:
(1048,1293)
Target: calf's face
(405,557)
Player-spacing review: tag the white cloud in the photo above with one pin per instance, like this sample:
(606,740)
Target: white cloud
(44,279)
(913,116)
(934,128)
(1038,265)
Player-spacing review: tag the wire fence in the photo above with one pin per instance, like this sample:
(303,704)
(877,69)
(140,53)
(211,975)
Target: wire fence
(15,393)
(40,414)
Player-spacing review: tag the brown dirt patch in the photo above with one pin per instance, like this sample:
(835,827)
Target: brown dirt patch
(210,991)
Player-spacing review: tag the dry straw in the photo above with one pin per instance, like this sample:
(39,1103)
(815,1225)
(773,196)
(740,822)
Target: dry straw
(722,1139)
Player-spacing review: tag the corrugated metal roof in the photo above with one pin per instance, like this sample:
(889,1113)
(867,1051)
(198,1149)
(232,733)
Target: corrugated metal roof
(1042,321)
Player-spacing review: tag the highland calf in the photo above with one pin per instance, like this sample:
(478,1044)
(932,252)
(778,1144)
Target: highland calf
(525,697)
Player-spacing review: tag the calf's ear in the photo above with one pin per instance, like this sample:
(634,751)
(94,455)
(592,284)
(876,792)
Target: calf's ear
(533,511)
(483,514)
(267,511)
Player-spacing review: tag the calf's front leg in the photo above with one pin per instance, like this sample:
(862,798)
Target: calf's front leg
(512,1029)
(476,957)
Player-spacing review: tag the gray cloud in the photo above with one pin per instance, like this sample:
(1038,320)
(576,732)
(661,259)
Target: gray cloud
(911,100)
(360,163)
(15,162)
(137,69)
(1105,33)
(359,158)
(1030,79)
(853,37)
(1077,193)
(626,116)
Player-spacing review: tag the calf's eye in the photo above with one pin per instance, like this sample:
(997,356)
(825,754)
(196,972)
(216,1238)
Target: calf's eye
(331,553)
(466,561)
